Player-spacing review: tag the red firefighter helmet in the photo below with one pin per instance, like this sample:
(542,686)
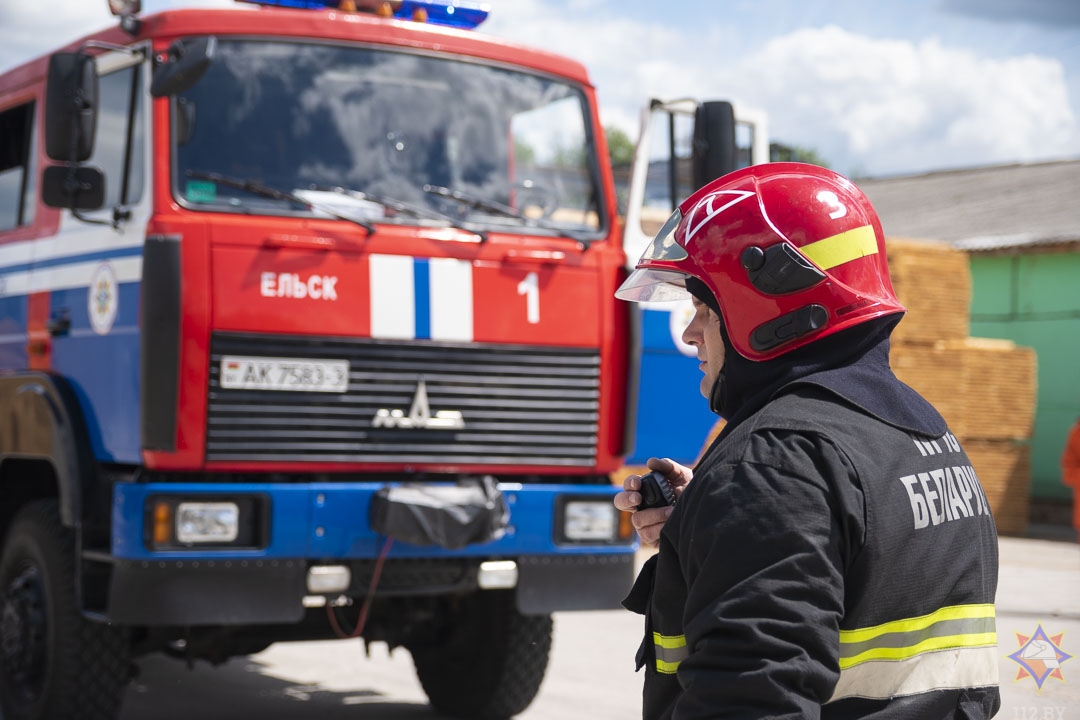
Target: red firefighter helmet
(792,252)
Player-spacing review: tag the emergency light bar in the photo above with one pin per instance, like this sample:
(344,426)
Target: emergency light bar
(463,14)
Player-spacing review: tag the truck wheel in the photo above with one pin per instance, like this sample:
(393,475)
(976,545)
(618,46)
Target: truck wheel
(55,664)
(492,662)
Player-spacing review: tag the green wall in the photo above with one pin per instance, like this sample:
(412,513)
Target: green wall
(1034,300)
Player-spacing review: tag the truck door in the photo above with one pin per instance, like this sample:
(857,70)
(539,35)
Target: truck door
(92,269)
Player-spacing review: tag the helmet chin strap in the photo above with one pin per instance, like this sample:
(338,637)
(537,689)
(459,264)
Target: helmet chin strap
(718,394)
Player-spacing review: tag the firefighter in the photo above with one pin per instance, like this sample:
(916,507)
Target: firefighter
(834,554)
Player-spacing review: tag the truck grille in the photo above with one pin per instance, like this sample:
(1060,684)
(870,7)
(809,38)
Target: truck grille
(518,405)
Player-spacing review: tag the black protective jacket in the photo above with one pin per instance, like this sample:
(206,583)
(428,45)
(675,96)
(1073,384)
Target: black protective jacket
(823,563)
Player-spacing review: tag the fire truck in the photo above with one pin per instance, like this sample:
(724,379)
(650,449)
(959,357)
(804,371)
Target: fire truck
(307,331)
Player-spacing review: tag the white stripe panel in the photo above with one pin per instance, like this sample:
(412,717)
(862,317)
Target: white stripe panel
(451,299)
(18,253)
(393,302)
(941,670)
(68,244)
(68,277)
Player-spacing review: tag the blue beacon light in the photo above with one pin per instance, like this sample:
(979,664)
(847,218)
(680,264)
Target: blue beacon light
(463,14)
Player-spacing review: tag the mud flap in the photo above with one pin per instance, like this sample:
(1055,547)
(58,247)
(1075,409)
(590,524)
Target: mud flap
(450,516)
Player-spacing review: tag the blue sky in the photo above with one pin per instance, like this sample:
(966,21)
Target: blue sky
(877,88)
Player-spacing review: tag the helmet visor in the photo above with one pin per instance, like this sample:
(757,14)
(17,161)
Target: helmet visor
(647,284)
(651,285)
(663,246)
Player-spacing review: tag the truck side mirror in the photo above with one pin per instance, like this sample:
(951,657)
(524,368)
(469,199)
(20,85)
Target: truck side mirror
(71,107)
(715,152)
(185,63)
(73,187)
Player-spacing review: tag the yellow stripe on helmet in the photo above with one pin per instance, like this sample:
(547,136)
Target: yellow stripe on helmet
(842,248)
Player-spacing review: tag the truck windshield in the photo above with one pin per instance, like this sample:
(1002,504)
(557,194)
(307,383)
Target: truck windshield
(422,130)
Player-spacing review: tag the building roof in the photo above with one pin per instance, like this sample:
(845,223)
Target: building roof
(988,209)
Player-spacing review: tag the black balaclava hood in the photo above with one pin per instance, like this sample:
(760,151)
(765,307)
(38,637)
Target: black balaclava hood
(852,364)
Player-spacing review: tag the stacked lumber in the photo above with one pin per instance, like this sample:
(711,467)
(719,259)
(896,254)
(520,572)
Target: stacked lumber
(984,388)
(1004,470)
(934,282)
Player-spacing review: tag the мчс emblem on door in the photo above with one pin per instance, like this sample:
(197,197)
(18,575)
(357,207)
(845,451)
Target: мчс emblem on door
(419,416)
(103,299)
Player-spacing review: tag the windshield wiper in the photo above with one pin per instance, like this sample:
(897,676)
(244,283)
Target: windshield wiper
(257,188)
(474,202)
(399,206)
(478,203)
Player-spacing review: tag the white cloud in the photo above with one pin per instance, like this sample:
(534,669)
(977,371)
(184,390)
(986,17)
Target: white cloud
(625,58)
(31,29)
(869,106)
(893,106)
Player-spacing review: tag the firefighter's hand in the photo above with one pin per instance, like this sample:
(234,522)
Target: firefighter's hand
(648,523)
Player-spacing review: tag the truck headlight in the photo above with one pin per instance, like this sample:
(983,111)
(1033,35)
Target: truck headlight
(207,522)
(590,521)
(180,522)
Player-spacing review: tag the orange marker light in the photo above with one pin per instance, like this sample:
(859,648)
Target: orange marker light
(385,10)
(626,528)
(347,6)
(419,15)
(163,516)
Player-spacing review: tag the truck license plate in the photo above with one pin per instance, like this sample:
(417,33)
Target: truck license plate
(294,374)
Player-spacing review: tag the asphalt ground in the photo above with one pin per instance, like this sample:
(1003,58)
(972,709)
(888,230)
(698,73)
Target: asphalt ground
(591,671)
(1039,587)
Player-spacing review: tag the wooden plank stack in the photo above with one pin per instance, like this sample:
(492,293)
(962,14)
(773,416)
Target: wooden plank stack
(933,281)
(984,388)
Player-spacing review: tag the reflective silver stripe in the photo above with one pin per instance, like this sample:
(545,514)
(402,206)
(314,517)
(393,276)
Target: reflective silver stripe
(942,628)
(670,651)
(955,626)
(966,667)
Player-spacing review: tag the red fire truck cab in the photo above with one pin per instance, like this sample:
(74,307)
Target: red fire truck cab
(308,332)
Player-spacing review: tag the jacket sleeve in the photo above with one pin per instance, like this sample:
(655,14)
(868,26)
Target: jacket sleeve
(763,552)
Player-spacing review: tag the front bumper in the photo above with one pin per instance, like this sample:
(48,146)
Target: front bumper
(321,523)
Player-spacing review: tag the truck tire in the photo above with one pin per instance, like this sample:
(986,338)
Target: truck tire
(54,663)
(492,662)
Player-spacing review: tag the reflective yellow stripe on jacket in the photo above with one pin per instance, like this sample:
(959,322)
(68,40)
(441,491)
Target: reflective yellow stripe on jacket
(670,651)
(951,648)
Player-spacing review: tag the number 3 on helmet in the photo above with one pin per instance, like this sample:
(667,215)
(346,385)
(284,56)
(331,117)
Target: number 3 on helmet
(792,252)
